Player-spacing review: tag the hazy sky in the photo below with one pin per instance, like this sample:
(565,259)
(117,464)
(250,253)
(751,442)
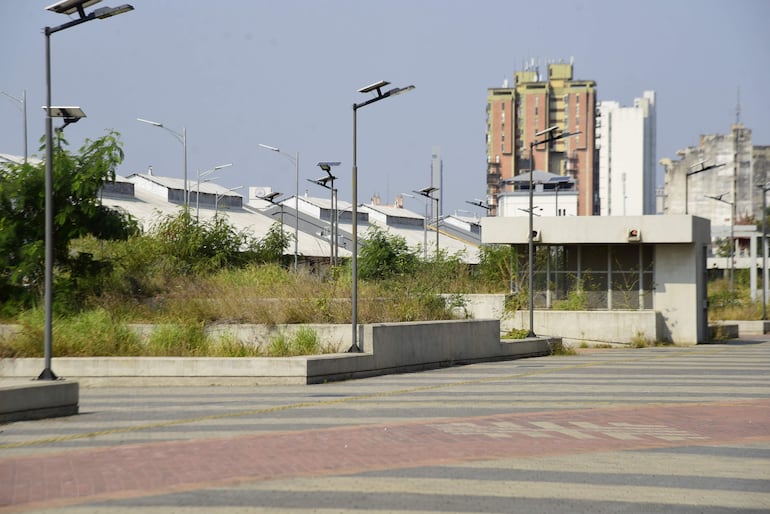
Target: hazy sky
(286,73)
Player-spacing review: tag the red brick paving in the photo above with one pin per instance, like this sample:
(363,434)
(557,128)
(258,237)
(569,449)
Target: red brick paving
(84,476)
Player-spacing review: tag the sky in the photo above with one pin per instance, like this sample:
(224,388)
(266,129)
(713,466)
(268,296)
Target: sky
(234,74)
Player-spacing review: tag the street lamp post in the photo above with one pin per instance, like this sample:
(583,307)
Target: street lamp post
(719,198)
(695,172)
(550,137)
(327,167)
(294,159)
(424,227)
(376,87)
(271,197)
(198,187)
(426,191)
(182,138)
(23,104)
(764,188)
(222,195)
(67,7)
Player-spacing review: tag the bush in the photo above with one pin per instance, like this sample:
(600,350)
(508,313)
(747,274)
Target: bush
(304,342)
(383,255)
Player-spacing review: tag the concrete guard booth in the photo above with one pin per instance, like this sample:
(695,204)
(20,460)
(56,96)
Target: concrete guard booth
(633,276)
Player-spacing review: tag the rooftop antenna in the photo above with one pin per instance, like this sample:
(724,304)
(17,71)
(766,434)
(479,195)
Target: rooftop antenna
(738,107)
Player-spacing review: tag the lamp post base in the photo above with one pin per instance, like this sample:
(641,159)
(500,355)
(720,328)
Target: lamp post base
(47,374)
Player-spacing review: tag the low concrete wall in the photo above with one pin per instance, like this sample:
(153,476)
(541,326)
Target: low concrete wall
(576,327)
(478,306)
(38,399)
(750,326)
(336,336)
(400,347)
(387,348)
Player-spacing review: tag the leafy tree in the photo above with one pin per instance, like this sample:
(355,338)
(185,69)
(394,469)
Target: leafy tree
(498,265)
(271,247)
(384,255)
(78,211)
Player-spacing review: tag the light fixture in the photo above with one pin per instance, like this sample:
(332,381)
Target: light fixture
(426,192)
(295,160)
(203,174)
(550,137)
(63,7)
(182,138)
(698,167)
(377,86)
(329,178)
(71,114)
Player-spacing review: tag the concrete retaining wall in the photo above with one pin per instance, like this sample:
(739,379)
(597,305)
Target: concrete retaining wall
(576,327)
(387,348)
(749,326)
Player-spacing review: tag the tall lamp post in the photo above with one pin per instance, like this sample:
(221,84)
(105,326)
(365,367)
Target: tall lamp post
(182,138)
(67,7)
(219,196)
(376,87)
(271,197)
(550,136)
(424,227)
(695,172)
(426,192)
(202,174)
(764,188)
(328,183)
(23,105)
(719,198)
(294,159)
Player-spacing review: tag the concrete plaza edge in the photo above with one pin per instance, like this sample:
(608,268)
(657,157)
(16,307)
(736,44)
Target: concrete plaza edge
(386,348)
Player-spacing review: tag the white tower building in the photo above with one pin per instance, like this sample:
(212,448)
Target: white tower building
(626,143)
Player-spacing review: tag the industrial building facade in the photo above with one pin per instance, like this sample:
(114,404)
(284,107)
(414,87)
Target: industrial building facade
(515,114)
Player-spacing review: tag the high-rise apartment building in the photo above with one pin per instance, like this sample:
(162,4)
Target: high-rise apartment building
(734,171)
(515,114)
(626,143)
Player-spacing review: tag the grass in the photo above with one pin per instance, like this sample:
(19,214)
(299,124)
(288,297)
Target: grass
(268,294)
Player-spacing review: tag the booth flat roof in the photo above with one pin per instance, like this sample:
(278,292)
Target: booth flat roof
(596,229)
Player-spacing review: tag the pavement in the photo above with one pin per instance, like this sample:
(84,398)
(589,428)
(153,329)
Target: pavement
(663,429)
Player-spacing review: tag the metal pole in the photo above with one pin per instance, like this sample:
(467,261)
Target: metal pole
(197,196)
(686,187)
(23,104)
(437,233)
(296,210)
(335,228)
(184,146)
(24,108)
(425,232)
(354,185)
(764,252)
(331,225)
(531,246)
(48,373)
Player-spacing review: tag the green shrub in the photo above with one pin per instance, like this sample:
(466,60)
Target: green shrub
(178,340)
(279,346)
(516,333)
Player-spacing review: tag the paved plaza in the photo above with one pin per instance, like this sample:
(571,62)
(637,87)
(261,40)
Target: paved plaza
(667,429)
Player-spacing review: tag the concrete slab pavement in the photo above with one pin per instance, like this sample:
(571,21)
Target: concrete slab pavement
(648,430)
